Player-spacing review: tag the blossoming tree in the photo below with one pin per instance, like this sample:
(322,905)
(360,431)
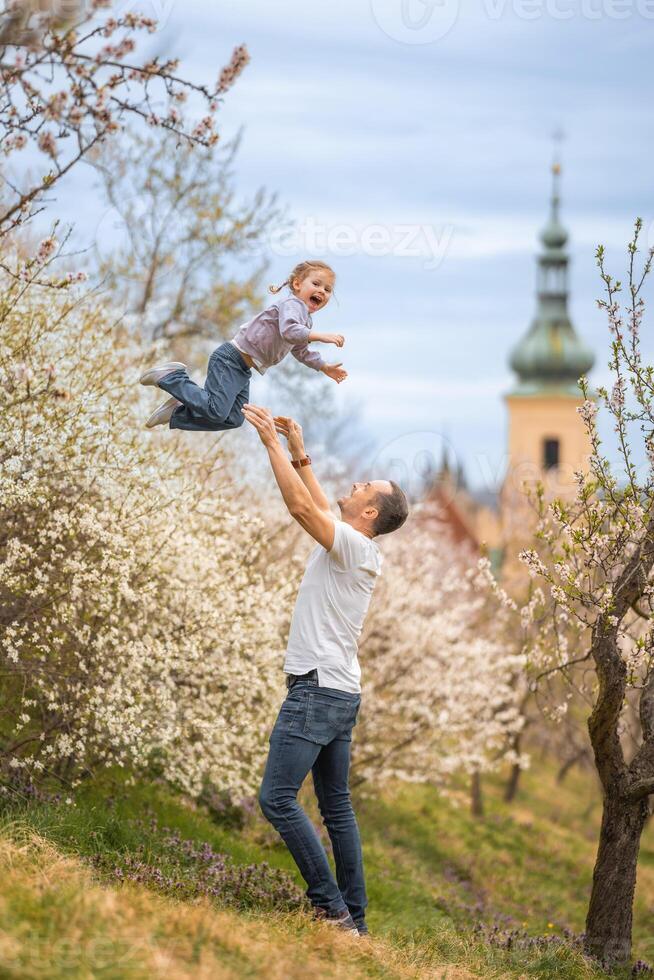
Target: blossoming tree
(135,596)
(70,78)
(184,228)
(596,555)
(138,625)
(440,689)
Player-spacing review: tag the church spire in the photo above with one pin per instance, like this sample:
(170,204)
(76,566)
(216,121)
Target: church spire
(551,357)
(554,236)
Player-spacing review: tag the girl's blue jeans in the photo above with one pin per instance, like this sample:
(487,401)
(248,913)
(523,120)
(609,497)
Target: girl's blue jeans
(313,732)
(216,406)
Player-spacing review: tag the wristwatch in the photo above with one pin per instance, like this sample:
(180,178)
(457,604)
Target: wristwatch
(297,463)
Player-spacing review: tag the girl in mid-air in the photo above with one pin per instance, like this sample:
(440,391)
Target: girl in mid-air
(284,327)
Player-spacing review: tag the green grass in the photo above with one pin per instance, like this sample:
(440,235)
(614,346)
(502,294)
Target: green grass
(433,872)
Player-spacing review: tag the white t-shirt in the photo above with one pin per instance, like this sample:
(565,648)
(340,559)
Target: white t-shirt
(331,607)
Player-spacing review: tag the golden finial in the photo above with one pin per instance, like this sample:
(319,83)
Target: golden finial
(557,141)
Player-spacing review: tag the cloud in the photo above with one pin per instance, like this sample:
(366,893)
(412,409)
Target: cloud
(354,129)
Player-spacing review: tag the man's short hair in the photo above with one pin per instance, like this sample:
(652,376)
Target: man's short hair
(393,510)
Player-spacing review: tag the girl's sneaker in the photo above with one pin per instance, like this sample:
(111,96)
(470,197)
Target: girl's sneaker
(156,374)
(162,415)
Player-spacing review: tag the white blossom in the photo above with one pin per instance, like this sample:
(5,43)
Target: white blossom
(129,612)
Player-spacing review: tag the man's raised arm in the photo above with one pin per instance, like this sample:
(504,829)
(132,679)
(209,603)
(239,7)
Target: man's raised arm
(318,522)
(292,432)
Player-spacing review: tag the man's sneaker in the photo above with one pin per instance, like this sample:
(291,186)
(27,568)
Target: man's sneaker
(342,920)
(154,375)
(363,928)
(162,415)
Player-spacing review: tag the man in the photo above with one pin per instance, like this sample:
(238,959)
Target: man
(313,730)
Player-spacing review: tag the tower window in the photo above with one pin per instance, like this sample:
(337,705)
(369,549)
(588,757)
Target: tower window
(550,454)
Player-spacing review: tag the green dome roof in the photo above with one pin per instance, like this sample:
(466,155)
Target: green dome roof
(551,352)
(551,355)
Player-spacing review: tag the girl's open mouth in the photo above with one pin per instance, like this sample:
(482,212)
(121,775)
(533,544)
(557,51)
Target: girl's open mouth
(315,300)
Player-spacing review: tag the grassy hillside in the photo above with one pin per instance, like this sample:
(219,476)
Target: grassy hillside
(138,882)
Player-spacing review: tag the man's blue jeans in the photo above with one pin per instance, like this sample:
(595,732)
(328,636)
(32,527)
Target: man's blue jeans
(313,732)
(217,406)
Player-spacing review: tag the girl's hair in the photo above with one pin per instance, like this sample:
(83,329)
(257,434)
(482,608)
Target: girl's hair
(300,272)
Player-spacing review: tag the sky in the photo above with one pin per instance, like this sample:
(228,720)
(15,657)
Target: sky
(411,141)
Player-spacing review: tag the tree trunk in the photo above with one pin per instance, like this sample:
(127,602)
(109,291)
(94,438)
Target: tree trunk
(477,800)
(568,764)
(511,788)
(610,914)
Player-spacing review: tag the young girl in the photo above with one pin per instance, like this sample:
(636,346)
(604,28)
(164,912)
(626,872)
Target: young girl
(283,327)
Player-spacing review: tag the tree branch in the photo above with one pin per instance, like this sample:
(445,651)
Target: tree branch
(640,789)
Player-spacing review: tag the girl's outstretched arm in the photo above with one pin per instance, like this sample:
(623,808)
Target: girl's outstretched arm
(327,338)
(305,355)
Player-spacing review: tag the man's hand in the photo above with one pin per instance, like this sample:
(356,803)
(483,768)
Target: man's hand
(292,432)
(263,422)
(334,371)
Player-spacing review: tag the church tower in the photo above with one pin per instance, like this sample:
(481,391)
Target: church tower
(547,440)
